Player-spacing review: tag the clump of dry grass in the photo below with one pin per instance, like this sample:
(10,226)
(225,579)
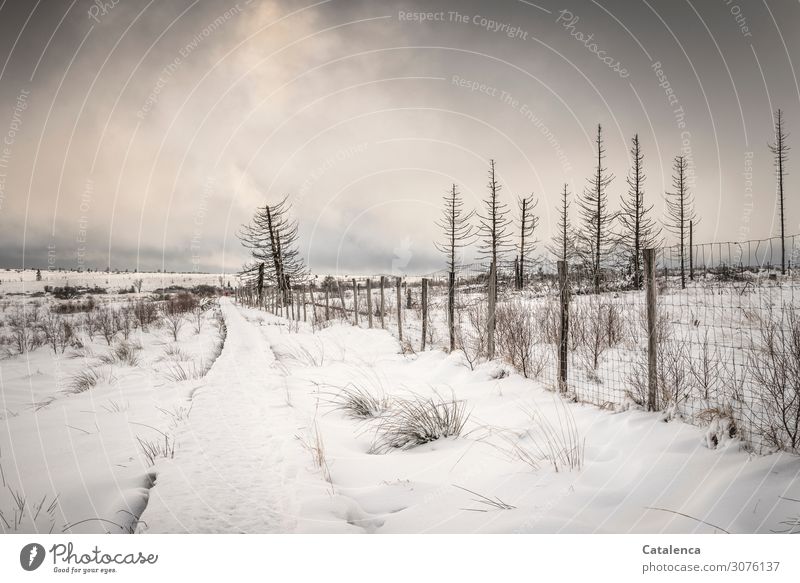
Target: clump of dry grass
(413,422)
(157,448)
(177,372)
(84,380)
(554,442)
(124,353)
(359,403)
(316,447)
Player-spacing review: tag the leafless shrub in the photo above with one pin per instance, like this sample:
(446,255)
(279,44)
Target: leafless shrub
(146,313)
(775,368)
(471,336)
(548,321)
(183,302)
(637,379)
(173,312)
(674,376)
(597,326)
(413,422)
(23,324)
(706,369)
(107,324)
(57,331)
(517,337)
(125,321)
(90,324)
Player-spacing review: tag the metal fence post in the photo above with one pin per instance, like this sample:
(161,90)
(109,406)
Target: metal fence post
(652,324)
(563,331)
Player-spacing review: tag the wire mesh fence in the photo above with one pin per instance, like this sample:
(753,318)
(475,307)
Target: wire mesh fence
(722,348)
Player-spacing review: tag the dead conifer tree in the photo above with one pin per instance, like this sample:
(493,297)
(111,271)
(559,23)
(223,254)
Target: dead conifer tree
(271,237)
(779,149)
(494,232)
(595,235)
(527,242)
(457,233)
(638,230)
(680,210)
(562,245)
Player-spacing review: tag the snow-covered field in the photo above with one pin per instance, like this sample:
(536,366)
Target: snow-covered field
(18,281)
(78,418)
(295,429)
(268,448)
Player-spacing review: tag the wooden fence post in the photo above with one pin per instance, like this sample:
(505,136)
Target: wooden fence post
(490,322)
(424,310)
(691,250)
(451,310)
(327,302)
(652,324)
(400,308)
(383,306)
(355,302)
(369,301)
(305,319)
(341,299)
(563,332)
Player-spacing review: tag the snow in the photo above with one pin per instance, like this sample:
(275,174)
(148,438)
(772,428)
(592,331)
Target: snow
(75,458)
(243,462)
(262,445)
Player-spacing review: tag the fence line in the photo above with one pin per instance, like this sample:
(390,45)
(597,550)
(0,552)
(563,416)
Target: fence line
(719,346)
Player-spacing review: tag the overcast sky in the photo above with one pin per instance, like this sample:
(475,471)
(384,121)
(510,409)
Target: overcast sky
(142,134)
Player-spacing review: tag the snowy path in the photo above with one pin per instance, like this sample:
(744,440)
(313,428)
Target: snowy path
(231,472)
(240,464)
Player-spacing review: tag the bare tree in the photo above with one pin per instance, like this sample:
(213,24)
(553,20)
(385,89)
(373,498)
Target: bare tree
(595,235)
(527,242)
(458,233)
(495,240)
(779,149)
(271,237)
(680,210)
(562,245)
(638,230)
(494,224)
